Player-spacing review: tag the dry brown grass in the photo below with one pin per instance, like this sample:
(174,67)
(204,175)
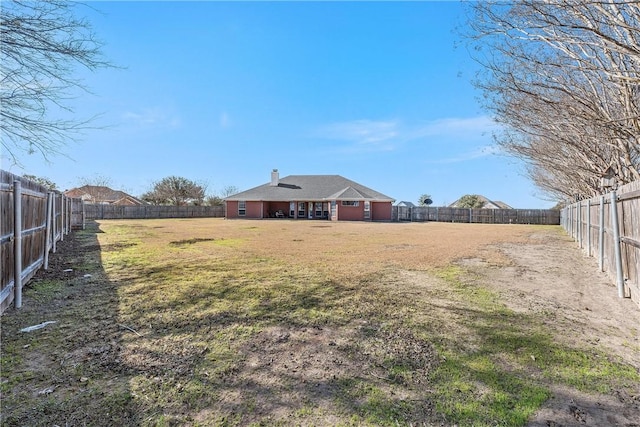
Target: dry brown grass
(348,248)
(277,322)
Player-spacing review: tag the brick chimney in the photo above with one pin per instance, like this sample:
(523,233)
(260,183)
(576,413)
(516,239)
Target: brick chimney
(275,178)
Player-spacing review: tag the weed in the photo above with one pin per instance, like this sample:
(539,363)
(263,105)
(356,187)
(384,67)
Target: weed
(205,322)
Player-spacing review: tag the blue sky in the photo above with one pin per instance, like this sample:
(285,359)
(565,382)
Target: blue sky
(223,92)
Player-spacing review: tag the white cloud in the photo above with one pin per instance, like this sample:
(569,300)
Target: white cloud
(224,120)
(153,117)
(453,127)
(361,131)
(388,134)
(487,150)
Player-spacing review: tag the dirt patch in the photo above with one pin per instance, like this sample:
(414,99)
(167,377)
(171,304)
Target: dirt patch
(225,324)
(550,277)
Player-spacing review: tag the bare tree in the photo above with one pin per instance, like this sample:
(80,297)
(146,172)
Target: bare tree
(218,199)
(41,44)
(96,180)
(229,190)
(564,80)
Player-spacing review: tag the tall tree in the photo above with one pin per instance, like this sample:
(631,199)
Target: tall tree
(472,201)
(229,190)
(425,200)
(175,190)
(563,78)
(46,182)
(41,44)
(218,199)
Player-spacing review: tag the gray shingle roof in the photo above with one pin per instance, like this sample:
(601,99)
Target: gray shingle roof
(101,194)
(488,204)
(311,188)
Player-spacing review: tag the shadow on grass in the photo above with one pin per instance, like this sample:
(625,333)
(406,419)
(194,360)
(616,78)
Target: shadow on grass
(68,373)
(238,340)
(253,342)
(504,366)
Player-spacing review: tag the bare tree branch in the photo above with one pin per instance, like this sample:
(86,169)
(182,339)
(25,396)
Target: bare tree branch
(564,80)
(42,43)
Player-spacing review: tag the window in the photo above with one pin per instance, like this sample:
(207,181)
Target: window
(242,208)
(350,203)
(292,209)
(367,210)
(318,206)
(301,209)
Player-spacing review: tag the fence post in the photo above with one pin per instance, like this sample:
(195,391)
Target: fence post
(579,227)
(17,243)
(589,227)
(572,217)
(616,244)
(47,230)
(601,235)
(63,217)
(469,215)
(570,223)
(54,227)
(68,205)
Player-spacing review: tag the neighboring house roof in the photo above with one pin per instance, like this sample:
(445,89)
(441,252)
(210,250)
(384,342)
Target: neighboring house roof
(309,188)
(406,204)
(103,195)
(502,205)
(488,204)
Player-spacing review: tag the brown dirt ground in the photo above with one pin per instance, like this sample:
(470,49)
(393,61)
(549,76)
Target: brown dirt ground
(550,276)
(535,270)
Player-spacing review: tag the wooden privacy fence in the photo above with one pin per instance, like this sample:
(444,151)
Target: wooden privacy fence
(608,227)
(98,211)
(33,219)
(483,216)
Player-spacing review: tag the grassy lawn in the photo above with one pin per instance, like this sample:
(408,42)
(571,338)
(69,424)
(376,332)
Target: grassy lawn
(214,322)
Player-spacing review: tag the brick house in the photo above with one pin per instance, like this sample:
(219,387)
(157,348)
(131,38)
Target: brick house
(103,195)
(328,197)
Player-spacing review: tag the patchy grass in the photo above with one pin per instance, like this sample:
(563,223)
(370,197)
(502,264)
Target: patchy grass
(503,374)
(211,322)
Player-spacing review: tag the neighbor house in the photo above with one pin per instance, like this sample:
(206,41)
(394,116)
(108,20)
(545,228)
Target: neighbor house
(100,194)
(488,204)
(329,197)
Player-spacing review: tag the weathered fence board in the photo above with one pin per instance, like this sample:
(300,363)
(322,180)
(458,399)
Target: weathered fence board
(482,216)
(608,227)
(33,219)
(100,211)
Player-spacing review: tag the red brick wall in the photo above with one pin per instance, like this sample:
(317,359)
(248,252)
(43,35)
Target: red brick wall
(381,211)
(350,213)
(253,210)
(232,210)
